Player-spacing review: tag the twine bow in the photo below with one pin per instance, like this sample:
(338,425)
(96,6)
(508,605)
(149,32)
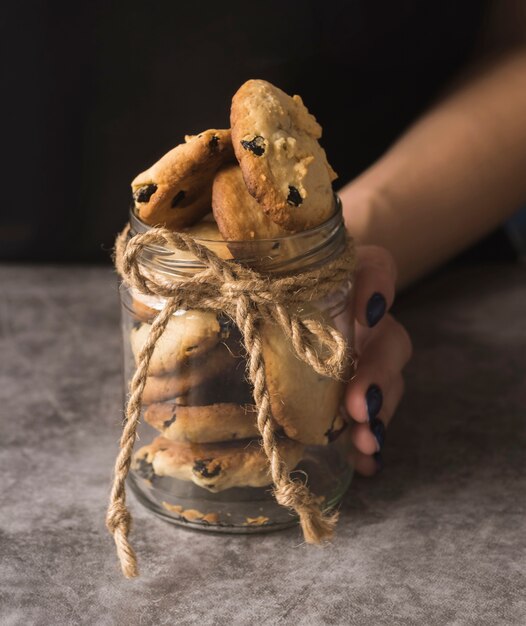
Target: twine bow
(248,298)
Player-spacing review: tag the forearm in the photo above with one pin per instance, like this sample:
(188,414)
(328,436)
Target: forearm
(451,178)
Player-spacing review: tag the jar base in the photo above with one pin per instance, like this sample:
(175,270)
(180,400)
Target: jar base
(242,510)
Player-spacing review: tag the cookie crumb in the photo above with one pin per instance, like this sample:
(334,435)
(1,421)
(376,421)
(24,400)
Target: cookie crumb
(173,508)
(192,515)
(256,521)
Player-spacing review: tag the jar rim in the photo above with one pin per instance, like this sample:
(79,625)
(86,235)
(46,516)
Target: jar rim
(303,250)
(138,226)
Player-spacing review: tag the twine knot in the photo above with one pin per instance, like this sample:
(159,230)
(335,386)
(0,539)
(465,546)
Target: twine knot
(118,515)
(248,298)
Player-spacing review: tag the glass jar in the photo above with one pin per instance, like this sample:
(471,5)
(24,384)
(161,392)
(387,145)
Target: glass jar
(198,460)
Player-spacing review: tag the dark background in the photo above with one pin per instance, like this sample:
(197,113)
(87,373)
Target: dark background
(95,92)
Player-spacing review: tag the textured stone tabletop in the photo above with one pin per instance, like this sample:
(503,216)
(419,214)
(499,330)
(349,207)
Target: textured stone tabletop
(438,538)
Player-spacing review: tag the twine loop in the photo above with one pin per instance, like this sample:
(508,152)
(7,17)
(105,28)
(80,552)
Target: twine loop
(248,298)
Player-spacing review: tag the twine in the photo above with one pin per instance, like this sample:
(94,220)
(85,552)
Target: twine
(248,298)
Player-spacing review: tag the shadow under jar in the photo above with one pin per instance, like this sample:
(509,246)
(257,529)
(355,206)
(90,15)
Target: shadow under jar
(199,460)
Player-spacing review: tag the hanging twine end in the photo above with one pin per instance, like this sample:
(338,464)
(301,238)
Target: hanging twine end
(125,553)
(317,527)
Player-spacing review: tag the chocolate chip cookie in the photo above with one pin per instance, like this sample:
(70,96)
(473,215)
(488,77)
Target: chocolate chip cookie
(304,403)
(203,424)
(275,140)
(176,191)
(216,466)
(218,364)
(229,387)
(238,215)
(188,335)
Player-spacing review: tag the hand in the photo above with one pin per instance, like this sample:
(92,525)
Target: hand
(383,347)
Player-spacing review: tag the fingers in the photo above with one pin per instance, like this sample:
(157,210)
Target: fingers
(369,437)
(383,350)
(374,284)
(375,392)
(364,464)
(377,381)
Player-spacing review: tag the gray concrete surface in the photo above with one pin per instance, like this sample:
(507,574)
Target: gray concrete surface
(438,538)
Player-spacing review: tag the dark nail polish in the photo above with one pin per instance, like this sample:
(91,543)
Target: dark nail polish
(374,399)
(378,429)
(375,308)
(377,456)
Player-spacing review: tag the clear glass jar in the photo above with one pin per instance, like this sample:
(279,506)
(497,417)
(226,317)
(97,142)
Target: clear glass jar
(198,460)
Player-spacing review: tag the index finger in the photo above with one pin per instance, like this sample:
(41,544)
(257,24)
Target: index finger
(375,280)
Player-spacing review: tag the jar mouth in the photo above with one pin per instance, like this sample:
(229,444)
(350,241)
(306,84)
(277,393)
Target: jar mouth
(279,255)
(138,226)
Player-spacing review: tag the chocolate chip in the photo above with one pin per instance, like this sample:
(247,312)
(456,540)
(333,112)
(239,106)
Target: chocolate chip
(333,434)
(201,467)
(168,423)
(177,198)
(143,194)
(294,196)
(256,145)
(214,142)
(145,469)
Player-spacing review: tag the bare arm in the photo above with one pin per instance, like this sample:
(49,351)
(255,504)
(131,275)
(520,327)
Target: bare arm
(455,175)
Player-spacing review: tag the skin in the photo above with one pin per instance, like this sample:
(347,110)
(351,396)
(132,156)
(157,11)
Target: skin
(450,196)
(458,172)
(382,352)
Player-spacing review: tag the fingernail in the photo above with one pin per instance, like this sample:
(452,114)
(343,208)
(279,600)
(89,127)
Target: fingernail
(377,456)
(375,308)
(374,399)
(378,429)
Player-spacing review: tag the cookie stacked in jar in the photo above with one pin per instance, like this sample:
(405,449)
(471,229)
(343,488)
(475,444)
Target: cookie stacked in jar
(259,195)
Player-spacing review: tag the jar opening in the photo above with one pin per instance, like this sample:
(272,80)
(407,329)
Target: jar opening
(280,255)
